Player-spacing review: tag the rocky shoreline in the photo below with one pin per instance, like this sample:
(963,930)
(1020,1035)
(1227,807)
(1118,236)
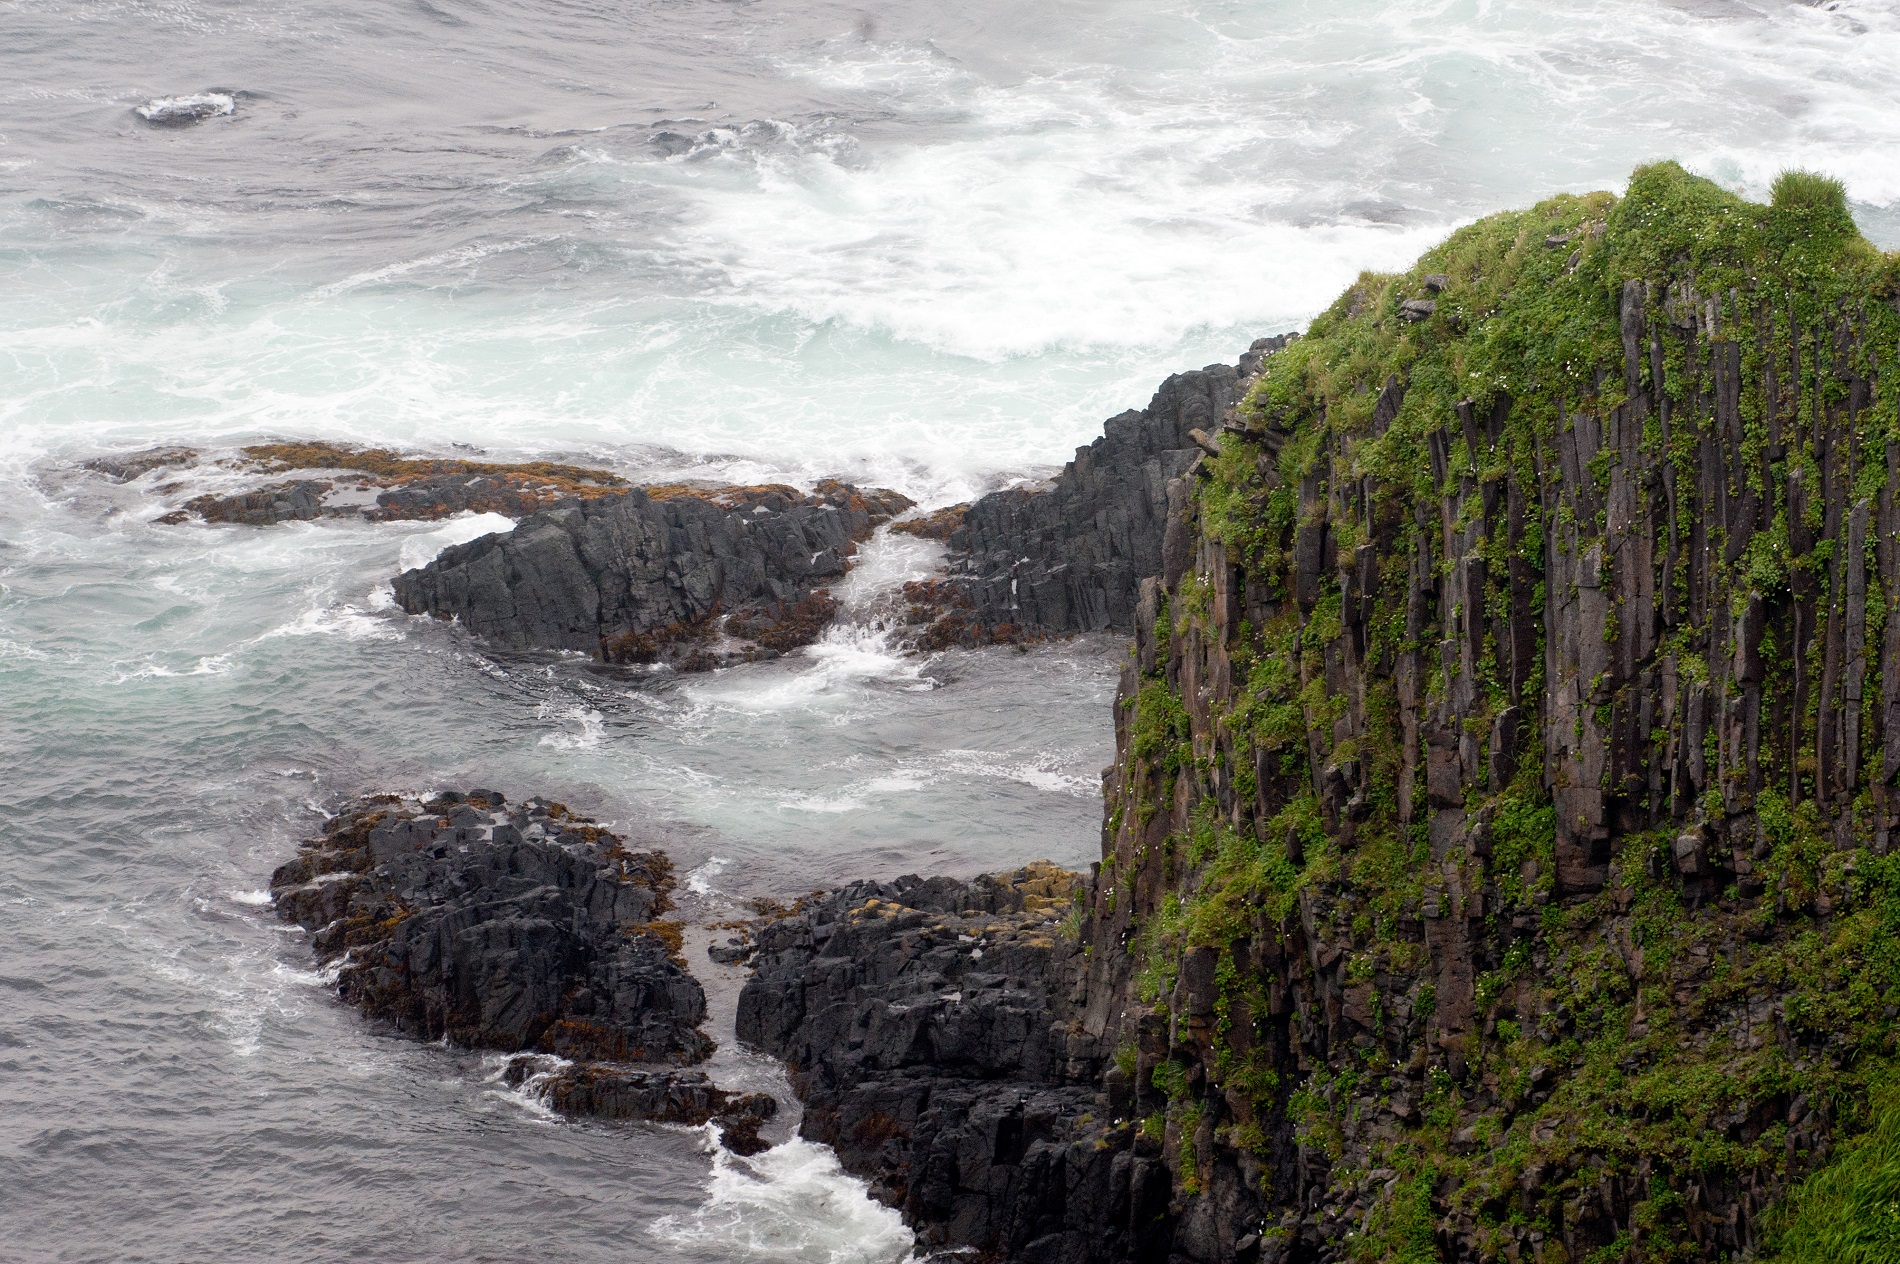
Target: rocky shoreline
(521,929)
(691,580)
(1497,858)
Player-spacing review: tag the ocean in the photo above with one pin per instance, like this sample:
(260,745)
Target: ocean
(923,247)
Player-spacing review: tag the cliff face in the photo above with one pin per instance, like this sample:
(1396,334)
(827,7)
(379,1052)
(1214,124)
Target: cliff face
(1069,557)
(1497,854)
(1501,817)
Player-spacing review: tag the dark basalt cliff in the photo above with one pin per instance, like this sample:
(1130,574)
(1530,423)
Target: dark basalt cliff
(1068,557)
(1497,858)
(642,575)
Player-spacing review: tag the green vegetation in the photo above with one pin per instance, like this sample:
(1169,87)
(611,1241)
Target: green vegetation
(1654,1031)
(1849,1212)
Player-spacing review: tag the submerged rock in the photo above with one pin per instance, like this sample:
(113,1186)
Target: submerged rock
(683,575)
(183,111)
(299,501)
(497,928)
(609,1091)
(123,467)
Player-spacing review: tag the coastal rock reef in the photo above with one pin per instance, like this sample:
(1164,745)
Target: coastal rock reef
(652,575)
(1497,861)
(523,929)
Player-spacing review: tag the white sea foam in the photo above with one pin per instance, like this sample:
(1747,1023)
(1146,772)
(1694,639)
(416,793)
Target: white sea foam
(351,623)
(582,728)
(699,880)
(791,1203)
(189,108)
(858,795)
(421,549)
(1041,772)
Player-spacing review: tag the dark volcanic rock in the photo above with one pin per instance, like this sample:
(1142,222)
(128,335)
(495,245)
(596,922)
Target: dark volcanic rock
(926,1025)
(1069,557)
(298,501)
(636,577)
(123,467)
(597,1090)
(500,929)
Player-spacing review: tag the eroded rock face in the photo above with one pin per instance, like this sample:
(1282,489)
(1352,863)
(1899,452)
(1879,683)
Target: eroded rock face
(499,928)
(689,578)
(1068,557)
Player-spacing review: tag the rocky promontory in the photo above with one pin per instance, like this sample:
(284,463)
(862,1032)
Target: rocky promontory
(515,928)
(1069,556)
(1498,855)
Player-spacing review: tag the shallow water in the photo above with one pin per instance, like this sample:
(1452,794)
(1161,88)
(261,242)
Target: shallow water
(923,246)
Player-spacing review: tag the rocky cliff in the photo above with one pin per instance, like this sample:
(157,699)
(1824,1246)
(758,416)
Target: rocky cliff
(1069,556)
(1496,861)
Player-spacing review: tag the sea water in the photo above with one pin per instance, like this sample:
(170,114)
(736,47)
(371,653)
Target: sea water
(923,246)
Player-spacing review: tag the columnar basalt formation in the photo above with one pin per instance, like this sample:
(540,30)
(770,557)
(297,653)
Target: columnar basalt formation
(1497,858)
(1068,557)
(652,574)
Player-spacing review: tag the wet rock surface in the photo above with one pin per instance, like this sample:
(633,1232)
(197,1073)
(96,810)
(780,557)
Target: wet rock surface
(123,467)
(596,1090)
(1068,557)
(685,576)
(929,1028)
(497,927)
(692,575)
(332,480)
(522,928)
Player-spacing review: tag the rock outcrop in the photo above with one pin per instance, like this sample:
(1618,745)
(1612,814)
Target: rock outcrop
(123,467)
(332,480)
(497,928)
(524,929)
(924,1024)
(1497,858)
(600,1090)
(1068,557)
(637,577)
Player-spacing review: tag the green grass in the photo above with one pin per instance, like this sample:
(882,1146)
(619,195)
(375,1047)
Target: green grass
(1849,1211)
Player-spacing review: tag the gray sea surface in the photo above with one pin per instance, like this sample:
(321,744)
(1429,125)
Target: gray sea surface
(928,247)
